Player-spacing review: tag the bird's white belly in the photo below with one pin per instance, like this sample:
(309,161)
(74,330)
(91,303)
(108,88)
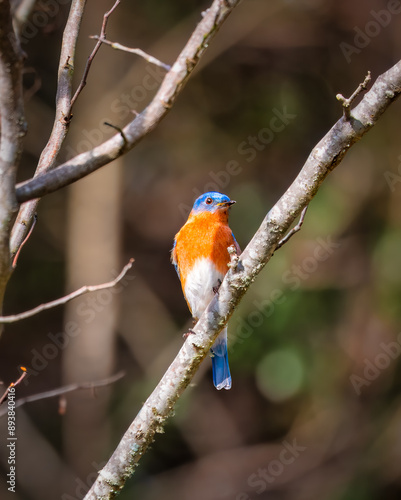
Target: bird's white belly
(199,285)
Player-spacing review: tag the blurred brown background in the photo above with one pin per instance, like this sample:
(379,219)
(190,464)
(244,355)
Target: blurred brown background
(315,411)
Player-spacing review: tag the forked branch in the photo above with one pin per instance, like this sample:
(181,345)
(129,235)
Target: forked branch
(145,122)
(346,103)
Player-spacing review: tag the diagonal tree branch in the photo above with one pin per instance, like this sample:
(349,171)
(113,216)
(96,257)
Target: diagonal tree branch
(61,121)
(13,318)
(13,129)
(145,122)
(326,155)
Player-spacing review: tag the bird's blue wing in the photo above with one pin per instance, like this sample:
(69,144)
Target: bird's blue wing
(174,259)
(237,247)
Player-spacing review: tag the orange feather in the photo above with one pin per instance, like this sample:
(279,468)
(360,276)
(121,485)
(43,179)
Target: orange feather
(203,235)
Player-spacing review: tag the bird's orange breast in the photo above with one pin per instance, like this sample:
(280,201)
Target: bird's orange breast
(204,235)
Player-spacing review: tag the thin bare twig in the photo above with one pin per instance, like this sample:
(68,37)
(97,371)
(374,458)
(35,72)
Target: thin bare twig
(89,61)
(67,298)
(294,230)
(346,103)
(35,218)
(13,384)
(138,52)
(66,389)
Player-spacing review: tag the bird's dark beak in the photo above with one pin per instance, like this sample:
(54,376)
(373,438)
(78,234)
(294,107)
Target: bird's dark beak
(226,204)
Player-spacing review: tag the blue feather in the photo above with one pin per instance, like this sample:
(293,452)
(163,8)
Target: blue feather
(221,370)
(174,261)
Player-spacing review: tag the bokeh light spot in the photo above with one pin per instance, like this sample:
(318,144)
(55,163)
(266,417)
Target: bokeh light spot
(280,375)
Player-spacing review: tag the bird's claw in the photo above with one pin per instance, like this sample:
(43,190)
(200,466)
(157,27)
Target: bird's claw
(188,333)
(216,288)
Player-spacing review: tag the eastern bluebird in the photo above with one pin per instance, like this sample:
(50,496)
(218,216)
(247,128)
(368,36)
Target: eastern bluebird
(200,256)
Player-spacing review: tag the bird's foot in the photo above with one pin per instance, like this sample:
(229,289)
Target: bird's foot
(234,258)
(216,288)
(188,333)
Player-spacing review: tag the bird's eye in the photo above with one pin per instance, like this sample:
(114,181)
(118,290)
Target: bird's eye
(209,201)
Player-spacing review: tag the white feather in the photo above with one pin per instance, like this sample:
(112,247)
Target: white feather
(199,285)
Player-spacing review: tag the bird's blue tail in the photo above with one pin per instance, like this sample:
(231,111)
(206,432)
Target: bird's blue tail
(221,370)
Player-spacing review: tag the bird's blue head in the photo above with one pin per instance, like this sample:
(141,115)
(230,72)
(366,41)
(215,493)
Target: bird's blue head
(211,202)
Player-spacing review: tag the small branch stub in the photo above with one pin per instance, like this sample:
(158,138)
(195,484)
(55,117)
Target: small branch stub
(14,384)
(121,131)
(346,103)
(294,230)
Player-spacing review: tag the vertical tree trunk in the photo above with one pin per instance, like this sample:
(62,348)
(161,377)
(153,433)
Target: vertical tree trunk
(93,255)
